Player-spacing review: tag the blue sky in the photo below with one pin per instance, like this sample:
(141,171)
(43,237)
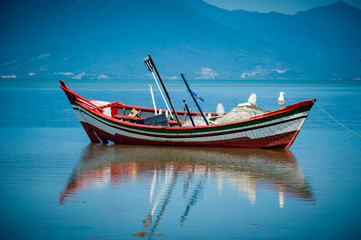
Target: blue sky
(283,6)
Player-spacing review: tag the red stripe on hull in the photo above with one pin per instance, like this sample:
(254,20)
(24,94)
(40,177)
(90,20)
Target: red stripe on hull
(214,133)
(283,140)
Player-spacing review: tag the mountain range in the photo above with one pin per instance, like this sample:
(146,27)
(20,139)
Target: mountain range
(108,39)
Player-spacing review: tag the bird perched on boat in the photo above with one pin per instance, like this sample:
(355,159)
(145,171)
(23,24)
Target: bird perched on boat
(281,99)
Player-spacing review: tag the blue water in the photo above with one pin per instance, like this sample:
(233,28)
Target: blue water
(55,184)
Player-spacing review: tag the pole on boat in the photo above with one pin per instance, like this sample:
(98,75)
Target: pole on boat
(151,92)
(150,64)
(195,100)
(189,113)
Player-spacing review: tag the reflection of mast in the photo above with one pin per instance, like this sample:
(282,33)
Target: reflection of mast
(194,197)
(102,165)
(154,181)
(148,218)
(188,181)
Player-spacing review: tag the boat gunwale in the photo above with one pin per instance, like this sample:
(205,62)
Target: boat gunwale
(96,110)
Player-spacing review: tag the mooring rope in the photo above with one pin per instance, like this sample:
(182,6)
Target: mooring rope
(336,120)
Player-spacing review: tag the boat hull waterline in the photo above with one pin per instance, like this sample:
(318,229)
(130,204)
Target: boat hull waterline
(274,129)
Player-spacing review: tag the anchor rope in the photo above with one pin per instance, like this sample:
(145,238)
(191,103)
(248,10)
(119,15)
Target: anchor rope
(337,121)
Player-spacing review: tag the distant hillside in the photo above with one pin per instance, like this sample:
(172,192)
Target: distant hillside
(330,34)
(109,39)
(337,18)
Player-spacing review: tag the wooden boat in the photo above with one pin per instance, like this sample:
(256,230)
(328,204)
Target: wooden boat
(124,124)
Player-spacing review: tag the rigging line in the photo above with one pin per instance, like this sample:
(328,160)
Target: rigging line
(337,121)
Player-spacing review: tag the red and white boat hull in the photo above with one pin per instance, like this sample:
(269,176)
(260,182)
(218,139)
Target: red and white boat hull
(274,129)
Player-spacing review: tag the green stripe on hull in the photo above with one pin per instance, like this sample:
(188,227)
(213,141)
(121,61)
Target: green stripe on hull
(205,129)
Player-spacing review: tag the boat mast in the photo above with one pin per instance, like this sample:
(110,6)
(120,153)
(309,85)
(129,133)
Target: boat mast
(194,99)
(165,90)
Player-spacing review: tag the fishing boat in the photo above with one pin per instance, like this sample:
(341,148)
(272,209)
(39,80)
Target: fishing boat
(126,124)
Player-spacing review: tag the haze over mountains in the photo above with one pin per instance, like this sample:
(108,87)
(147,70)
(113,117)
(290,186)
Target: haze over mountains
(109,39)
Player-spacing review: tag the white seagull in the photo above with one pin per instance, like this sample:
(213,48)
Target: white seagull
(281,100)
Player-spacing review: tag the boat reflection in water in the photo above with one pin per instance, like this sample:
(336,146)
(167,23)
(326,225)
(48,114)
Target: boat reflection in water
(166,167)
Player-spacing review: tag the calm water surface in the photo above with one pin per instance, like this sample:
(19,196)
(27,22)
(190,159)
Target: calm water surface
(55,184)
